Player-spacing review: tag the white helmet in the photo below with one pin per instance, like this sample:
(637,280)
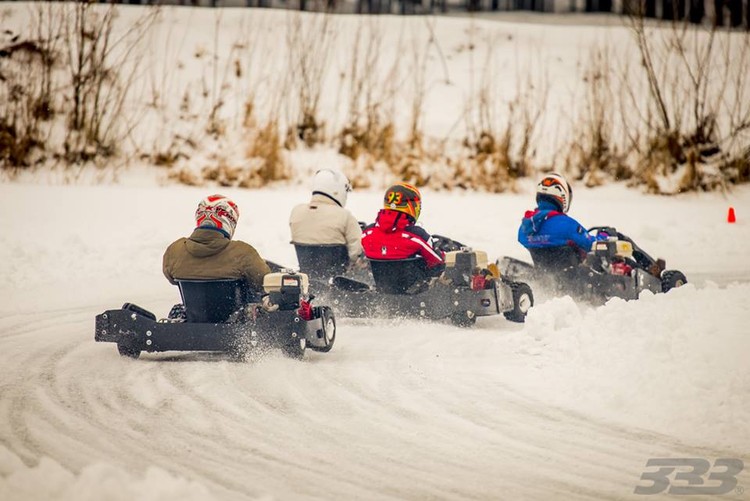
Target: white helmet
(555,189)
(219,212)
(332,184)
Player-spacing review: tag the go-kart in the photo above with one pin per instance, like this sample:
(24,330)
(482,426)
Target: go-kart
(615,267)
(405,288)
(224,316)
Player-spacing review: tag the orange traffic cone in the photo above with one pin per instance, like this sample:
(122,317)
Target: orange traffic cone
(730,216)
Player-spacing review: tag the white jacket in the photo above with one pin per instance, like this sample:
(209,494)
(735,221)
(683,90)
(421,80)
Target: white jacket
(323,221)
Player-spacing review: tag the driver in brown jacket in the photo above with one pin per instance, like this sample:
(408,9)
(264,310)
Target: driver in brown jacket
(210,253)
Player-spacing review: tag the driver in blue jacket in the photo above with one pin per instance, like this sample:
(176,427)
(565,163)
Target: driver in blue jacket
(548,227)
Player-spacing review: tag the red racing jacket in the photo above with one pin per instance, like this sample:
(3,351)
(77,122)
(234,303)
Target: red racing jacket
(394,236)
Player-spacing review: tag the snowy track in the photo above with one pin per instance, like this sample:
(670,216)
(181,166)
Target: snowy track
(383,416)
(569,406)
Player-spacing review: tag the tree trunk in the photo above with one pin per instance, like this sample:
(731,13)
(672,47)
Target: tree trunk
(735,13)
(697,11)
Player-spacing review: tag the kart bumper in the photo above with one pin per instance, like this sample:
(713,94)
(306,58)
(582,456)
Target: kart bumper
(138,331)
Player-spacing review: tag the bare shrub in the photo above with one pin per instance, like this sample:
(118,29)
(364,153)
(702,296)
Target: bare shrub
(309,40)
(369,125)
(500,151)
(223,77)
(418,158)
(102,67)
(368,135)
(696,119)
(593,155)
(26,85)
(22,100)
(266,155)
(185,176)
(71,72)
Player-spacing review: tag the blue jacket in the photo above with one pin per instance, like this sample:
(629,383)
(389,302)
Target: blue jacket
(547,227)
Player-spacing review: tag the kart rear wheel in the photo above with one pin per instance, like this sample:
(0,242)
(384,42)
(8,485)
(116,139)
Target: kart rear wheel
(329,328)
(671,279)
(295,349)
(128,351)
(463,318)
(523,300)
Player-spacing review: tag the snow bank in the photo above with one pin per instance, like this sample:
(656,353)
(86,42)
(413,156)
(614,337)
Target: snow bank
(676,363)
(48,480)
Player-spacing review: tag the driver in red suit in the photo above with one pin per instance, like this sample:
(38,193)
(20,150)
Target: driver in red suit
(395,234)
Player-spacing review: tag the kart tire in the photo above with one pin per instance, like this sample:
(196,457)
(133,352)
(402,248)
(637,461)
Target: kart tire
(128,351)
(329,328)
(671,279)
(463,318)
(295,349)
(523,299)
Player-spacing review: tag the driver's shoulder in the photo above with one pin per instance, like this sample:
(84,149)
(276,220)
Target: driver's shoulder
(240,247)
(565,221)
(418,231)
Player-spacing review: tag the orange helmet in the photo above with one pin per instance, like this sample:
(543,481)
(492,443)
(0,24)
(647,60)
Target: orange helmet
(403,198)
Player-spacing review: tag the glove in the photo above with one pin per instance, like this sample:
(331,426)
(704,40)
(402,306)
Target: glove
(445,280)
(267,305)
(359,264)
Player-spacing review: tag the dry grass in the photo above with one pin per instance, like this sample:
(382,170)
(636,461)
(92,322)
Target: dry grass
(680,121)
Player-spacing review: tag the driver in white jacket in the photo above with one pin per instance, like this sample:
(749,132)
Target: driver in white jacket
(324,220)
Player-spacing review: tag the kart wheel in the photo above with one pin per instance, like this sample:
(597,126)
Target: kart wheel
(329,328)
(295,349)
(128,351)
(463,318)
(523,300)
(671,279)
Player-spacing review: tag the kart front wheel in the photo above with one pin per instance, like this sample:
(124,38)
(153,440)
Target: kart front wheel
(329,328)
(523,300)
(671,279)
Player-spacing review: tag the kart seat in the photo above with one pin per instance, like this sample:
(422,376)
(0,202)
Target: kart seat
(555,259)
(397,276)
(213,301)
(322,261)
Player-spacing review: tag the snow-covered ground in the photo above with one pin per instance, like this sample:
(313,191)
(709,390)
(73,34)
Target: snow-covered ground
(570,405)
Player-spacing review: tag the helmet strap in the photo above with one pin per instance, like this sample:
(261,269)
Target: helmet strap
(214,228)
(328,196)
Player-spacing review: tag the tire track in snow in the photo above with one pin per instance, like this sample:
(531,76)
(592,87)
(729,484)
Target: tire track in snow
(379,417)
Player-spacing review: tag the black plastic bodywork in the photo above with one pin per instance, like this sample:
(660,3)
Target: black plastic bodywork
(588,280)
(321,262)
(218,317)
(438,301)
(582,282)
(402,291)
(137,331)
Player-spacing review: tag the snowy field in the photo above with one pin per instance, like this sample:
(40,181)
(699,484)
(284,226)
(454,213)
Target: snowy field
(570,405)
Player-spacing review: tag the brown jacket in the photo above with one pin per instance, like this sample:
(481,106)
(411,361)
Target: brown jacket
(209,254)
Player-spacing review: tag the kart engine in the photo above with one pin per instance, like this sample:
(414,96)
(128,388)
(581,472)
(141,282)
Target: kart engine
(286,289)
